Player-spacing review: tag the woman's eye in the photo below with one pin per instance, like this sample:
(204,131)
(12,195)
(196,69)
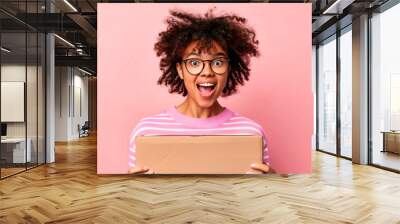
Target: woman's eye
(218,62)
(194,63)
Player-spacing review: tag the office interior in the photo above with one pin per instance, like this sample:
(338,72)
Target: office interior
(48,90)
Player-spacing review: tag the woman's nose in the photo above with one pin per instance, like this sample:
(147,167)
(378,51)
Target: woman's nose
(207,70)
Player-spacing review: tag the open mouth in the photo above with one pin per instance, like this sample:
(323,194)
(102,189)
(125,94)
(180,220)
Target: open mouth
(206,89)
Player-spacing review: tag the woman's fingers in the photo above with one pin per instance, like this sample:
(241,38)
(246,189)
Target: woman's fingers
(261,167)
(253,171)
(138,169)
(256,168)
(150,171)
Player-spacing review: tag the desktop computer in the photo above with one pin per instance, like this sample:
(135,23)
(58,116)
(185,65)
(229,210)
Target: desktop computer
(3,131)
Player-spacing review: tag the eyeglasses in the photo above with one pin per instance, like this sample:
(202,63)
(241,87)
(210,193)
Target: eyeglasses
(195,66)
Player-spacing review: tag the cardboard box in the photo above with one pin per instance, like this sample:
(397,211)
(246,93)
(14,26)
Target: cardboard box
(199,154)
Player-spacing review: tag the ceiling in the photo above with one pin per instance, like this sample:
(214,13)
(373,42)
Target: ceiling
(76,22)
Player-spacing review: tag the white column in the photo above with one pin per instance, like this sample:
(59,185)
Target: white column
(360,90)
(50,100)
(50,92)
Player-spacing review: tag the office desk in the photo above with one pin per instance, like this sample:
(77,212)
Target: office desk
(391,141)
(13,150)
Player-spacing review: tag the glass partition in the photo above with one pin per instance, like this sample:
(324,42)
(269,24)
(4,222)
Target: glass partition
(13,98)
(22,63)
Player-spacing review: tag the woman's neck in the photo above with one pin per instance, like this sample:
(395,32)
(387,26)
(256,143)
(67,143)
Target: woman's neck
(191,109)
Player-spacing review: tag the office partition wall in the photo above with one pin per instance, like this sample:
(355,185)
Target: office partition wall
(22,98)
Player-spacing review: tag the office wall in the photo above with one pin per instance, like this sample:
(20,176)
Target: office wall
(15,72)
(62,80)
(71,102)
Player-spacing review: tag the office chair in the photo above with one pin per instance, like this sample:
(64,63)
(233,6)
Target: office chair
(84,130)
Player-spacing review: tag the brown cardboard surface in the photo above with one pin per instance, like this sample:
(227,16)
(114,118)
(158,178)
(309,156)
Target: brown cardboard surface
(199,154)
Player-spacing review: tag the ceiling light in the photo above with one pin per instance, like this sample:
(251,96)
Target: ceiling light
(5,50)
(70,5)
(84,71)
(64,40)
(337,7)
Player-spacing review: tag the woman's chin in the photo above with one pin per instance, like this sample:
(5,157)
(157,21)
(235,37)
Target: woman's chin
(206,103)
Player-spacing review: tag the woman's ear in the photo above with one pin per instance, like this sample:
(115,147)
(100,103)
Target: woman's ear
(179,69)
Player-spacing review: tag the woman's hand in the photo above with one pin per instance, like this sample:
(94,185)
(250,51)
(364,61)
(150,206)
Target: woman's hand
(140,170)
(257,168)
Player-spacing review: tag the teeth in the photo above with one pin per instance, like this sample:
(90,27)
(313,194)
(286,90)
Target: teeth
(206,84)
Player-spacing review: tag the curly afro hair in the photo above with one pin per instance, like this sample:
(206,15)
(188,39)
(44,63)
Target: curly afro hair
(229,31)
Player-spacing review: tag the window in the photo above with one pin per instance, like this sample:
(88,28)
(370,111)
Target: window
(346,92)
(385,88)
(327,95)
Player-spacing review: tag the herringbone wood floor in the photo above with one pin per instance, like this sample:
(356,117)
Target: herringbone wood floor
(70,191)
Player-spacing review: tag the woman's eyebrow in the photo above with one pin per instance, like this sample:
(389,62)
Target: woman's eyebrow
(220,54)
(197,54)
(193,53)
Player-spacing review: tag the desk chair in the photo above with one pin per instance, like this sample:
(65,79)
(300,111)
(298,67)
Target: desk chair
(84,130)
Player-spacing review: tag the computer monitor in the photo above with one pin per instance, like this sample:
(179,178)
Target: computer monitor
(3,129)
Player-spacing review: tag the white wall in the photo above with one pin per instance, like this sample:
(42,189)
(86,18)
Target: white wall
(71,94)
(62,81)
(15,72)
(33,127)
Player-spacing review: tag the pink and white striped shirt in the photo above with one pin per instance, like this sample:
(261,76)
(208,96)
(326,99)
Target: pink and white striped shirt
(172,122)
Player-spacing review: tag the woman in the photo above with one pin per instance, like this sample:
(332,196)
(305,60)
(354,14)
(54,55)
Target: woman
(202,58)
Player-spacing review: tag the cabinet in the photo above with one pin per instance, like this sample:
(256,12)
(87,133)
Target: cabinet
(13,150)
(391,142)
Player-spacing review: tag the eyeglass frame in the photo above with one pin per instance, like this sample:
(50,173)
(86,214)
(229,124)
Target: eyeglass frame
(203,61)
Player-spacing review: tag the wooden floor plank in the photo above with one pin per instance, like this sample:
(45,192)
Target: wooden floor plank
(70,191)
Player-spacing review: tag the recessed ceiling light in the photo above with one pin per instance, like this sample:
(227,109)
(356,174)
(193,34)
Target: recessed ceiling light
(64,40)
(70,5)
(337,7)
(5,50)
(84,71)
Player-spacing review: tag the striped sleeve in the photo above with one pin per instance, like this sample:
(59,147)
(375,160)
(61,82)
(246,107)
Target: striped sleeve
(132,148)
(266,152)
(265,147)
(147,126)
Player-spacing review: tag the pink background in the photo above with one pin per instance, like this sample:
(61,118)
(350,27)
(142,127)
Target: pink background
(278,95)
